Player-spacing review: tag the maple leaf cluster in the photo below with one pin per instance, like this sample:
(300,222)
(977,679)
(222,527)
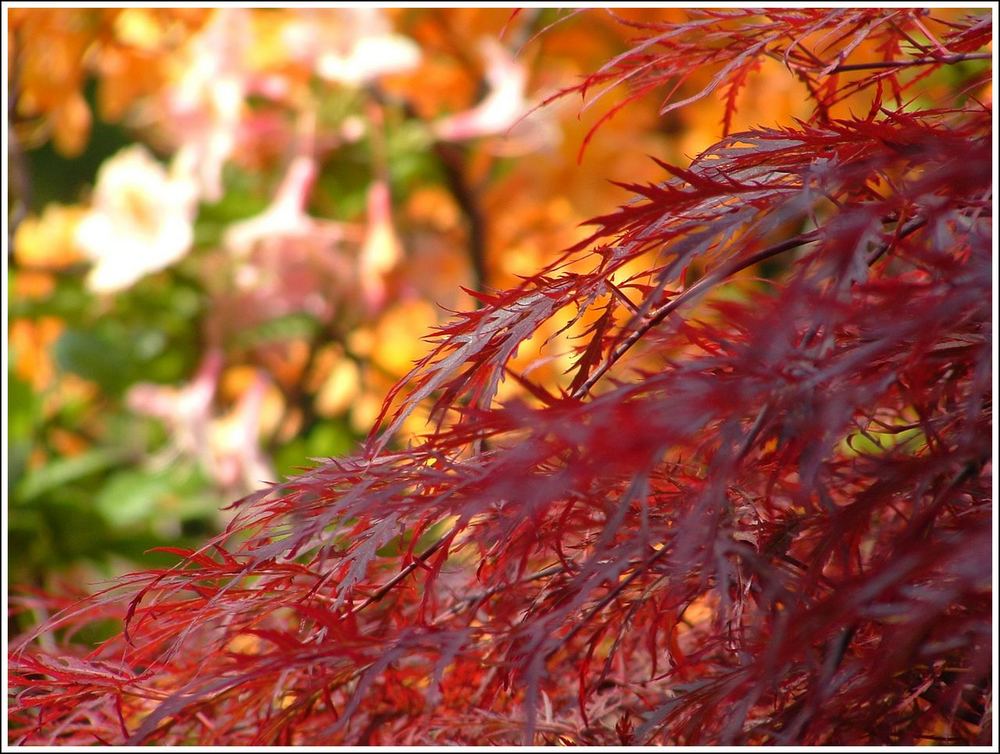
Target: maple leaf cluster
(758,511)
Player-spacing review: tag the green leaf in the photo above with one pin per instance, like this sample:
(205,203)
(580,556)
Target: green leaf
(329,439)
(93,357)
(130,497)
(326,439)
(280,329)
(291,458)
(341,190)
(65,470)
(23,417)
(57,178)
(876,443)
(69,300)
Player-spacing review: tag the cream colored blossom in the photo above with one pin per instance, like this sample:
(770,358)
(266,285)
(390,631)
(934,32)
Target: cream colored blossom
(140,220)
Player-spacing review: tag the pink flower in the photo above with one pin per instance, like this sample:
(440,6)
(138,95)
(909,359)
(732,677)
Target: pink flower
(186,411)
(286,260)
(381,250)
(205,104)
(235,458)
(504,111)
(227,447)
(285,216)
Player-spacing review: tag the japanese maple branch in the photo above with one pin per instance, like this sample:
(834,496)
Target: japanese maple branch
(656,316)
(943,60)
(406,571)
(452,159)
(471,599)
(422,558)
(638,570)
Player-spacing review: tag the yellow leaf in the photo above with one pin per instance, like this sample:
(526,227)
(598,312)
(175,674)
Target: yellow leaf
(339,389)
(30,343)
(363,412)
(71,125)
(398,336)
(244,644)
(32,284)
(233,386)
(139,28)
(47,242)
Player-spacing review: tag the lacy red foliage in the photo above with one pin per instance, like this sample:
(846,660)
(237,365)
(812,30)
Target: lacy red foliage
(770,523)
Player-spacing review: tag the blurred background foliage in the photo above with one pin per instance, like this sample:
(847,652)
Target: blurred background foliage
(230,229)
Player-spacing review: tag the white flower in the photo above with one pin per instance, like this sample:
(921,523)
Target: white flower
(356,48)
(140,220)
(369,58)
